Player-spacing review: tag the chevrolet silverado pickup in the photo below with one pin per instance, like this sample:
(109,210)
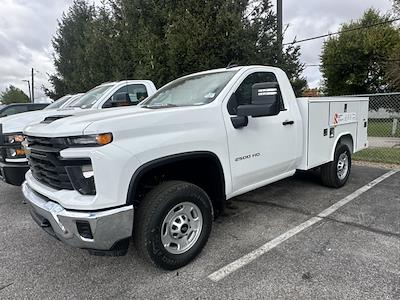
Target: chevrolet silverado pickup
(13,162)
(159,172)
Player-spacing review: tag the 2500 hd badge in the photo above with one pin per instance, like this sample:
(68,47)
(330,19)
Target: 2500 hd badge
(240,158)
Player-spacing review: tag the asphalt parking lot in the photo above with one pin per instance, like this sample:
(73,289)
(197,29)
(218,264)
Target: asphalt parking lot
(354,253)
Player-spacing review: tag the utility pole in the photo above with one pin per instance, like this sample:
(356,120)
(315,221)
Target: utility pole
(29,88)
(279,16)
(33,87)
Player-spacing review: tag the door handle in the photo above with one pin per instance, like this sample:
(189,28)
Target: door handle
(288,123)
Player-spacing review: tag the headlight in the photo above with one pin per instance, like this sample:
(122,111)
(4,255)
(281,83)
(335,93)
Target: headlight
(15,138)
(91,140)
(13,145)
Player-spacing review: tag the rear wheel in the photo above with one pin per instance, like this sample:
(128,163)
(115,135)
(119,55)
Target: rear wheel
(336,173)
(172,224)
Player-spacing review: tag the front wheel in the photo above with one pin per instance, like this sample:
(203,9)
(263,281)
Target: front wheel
(336,173)
(172,224)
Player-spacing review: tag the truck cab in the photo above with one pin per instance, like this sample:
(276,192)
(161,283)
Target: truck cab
(161,171)
(13,162)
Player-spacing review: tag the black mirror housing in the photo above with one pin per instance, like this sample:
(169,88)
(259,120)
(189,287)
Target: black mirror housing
(265,93)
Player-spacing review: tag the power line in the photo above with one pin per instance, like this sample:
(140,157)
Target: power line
(343,31)
(352,64)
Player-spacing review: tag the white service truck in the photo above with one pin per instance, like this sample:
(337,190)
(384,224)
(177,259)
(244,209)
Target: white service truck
(13,162)
(162,170)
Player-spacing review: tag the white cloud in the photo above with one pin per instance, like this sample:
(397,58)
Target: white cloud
(308,18)
(26,29)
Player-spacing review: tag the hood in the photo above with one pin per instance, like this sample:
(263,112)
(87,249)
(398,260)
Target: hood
(16,123)
(69,123)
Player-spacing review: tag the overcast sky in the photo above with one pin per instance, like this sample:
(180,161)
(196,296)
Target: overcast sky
(26,29)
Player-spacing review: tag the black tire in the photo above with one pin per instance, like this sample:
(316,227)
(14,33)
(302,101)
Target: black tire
(329,171)
(150,215)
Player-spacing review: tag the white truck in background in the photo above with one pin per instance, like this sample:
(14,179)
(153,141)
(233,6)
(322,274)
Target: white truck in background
(13,162)
(162,170)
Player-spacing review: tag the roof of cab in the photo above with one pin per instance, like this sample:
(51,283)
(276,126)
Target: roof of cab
(27,104)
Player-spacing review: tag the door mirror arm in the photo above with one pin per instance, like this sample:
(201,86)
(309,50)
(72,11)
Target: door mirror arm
(239,121)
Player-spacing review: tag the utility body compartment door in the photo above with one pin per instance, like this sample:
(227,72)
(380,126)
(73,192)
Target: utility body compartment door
(362,132)
(319,140)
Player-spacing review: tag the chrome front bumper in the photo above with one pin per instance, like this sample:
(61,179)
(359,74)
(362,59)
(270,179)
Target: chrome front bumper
(107,227)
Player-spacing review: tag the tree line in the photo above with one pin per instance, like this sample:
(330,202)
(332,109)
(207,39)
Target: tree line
(365,57)
(163,40)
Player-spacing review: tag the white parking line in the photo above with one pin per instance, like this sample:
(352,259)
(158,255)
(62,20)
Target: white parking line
(246,259)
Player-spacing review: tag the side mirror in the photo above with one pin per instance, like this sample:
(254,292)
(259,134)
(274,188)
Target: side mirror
(264,101)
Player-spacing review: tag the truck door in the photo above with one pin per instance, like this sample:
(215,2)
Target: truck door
(265,149)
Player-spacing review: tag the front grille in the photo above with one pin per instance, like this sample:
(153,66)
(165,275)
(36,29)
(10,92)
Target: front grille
(46,164)
(47,144)
(46,169)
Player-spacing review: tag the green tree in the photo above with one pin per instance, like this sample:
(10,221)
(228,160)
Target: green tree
(70,46)
(396,6)
(163,40)
(261,26)
(13,95)
(98,50)
(355,62)
(168,39)
(394,63)
(393,69)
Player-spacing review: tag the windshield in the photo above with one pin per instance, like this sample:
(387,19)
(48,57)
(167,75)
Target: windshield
(193,90)
(91,97)
(58,103)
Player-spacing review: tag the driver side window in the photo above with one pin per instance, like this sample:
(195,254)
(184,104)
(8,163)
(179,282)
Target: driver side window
(244,91)
(136,92)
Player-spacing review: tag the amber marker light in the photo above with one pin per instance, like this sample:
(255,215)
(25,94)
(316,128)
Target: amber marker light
(20,152)
(104,139)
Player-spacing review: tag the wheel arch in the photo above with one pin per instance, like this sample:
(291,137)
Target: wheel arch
(346,138)
(202,159)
